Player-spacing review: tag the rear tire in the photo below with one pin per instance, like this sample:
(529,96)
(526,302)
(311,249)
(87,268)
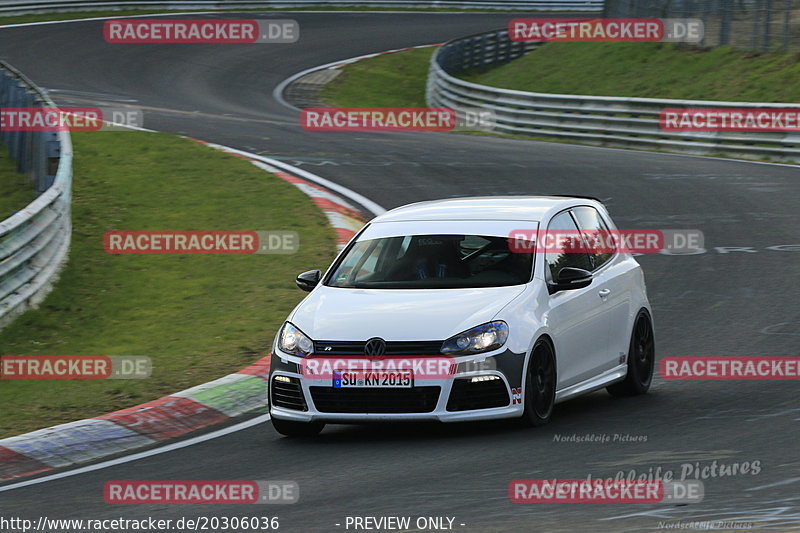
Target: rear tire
(641,359)
(291,428)
(540,385)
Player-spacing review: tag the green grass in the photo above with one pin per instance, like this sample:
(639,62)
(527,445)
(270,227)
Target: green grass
(198,317)
(645,70)
(388,80)
(650,70)
(16,190)
(607,69)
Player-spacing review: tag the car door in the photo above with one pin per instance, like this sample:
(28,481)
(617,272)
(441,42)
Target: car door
(611,287)
(576,317)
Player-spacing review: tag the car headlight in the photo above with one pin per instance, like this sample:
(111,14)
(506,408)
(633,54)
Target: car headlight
(294,341)
(483,338)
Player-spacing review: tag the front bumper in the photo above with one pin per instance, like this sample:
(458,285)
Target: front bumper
(429,399)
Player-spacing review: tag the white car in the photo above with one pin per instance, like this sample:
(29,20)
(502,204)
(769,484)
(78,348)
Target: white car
(442,281)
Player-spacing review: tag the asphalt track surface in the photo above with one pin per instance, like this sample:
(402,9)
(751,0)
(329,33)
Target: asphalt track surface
(722,302)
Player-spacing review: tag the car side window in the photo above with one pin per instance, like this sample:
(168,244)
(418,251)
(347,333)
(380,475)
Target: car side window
(363,262)
(558,256)
(589,220)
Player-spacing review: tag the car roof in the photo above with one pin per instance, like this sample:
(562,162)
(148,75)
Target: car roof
(528,208)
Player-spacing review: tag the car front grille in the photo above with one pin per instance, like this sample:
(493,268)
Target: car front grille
(375,400)
(418,348)
(466,395)
(288,395)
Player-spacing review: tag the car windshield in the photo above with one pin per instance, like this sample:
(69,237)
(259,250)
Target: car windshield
(432,262)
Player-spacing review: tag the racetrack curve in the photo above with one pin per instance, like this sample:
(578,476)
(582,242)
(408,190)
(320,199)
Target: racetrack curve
(722,302)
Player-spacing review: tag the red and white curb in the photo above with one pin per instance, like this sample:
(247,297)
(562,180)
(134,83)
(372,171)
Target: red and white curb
(345,219)
(186,411)
(135,427)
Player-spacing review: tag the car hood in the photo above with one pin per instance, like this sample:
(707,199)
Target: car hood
(339,314)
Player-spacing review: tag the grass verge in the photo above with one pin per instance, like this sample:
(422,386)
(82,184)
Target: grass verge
(388,80)
(16,190)
(651,70)
(198,317)
(605,69)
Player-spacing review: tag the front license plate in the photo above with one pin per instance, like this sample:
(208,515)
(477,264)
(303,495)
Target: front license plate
(383,379)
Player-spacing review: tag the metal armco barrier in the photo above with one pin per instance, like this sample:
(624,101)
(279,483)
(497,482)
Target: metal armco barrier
(35,240)
(12,7)
(601,120)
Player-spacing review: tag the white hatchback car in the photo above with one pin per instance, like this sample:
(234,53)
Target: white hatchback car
(524,330)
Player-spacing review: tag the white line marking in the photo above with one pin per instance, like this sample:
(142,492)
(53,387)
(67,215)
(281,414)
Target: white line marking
(369,204)
(277,92)
(344,191)
(776,484)
(654,153)
(141,455)
(374,208)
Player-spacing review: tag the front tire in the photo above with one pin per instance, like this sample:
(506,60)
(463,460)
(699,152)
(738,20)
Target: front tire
(540,385)
(641,359)
(291,428)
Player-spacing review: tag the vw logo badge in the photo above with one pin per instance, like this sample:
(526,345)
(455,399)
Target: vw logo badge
(375,346)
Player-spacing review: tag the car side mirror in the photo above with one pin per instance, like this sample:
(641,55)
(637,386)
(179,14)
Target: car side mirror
(570,278)
(308,280)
